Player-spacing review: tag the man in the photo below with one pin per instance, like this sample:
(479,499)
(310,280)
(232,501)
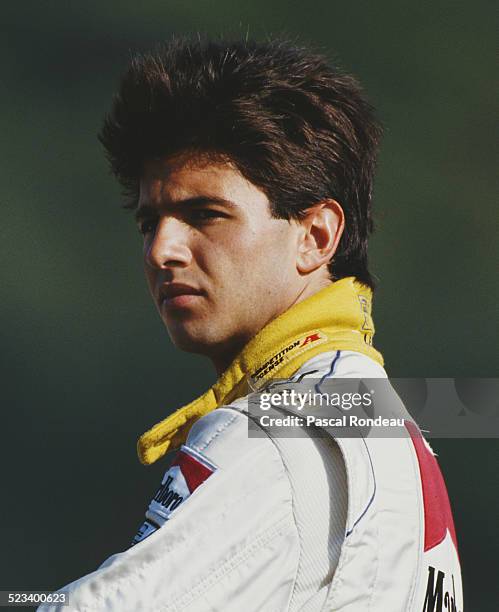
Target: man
(250,169)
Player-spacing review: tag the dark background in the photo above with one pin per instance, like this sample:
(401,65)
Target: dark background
(87,366)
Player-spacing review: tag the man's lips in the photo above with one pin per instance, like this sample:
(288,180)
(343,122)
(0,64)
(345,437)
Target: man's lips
(177,294)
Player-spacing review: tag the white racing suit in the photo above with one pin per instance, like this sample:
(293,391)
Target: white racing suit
(253,524)
(265,523)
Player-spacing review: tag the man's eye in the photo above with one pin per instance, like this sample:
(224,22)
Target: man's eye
(147,226)
(204,214)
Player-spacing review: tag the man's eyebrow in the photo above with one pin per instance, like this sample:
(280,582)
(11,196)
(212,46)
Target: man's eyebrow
(146,210)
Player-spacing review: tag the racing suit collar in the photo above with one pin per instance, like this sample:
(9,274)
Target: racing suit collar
(335,318)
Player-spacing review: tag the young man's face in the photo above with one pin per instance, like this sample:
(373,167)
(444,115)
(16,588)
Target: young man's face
(218,265)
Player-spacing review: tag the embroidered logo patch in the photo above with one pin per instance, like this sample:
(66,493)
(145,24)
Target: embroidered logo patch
(292,350)
(187,472)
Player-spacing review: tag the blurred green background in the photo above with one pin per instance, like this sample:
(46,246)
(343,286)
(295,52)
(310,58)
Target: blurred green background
(87,366)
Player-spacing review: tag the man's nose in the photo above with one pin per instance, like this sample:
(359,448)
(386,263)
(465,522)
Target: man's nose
(168,245)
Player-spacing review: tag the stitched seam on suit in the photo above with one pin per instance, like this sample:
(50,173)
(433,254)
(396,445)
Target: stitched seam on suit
(293,507)
(300,536)
(216,433)
(344,559)
(286,473)
(230,565)
(376,572)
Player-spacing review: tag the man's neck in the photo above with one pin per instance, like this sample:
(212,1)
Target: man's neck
(225,355)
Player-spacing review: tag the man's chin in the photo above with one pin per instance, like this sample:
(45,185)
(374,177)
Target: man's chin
(190,342)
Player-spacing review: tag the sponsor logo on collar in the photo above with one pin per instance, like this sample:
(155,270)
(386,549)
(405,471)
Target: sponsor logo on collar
(293,349)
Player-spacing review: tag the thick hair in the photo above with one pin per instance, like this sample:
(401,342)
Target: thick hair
(300,130)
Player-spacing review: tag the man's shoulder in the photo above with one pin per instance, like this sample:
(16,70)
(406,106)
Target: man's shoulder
(222,433)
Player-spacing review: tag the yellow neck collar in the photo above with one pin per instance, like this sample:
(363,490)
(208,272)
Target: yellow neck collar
(335,318)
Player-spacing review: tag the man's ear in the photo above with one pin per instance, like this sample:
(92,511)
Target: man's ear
(322,227)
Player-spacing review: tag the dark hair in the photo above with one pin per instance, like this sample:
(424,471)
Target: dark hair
(297,128)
